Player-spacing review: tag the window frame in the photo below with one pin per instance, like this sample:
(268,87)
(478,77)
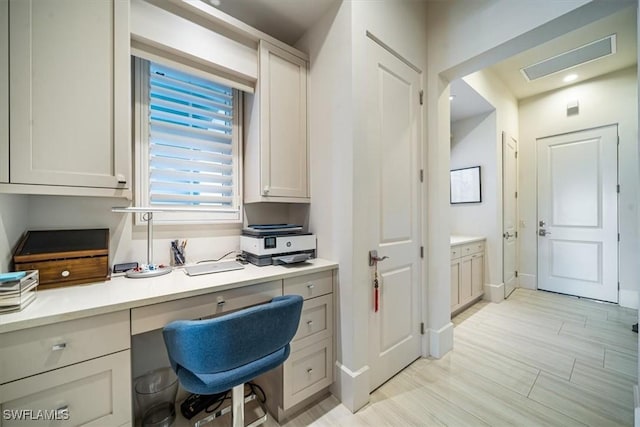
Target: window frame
(185,214)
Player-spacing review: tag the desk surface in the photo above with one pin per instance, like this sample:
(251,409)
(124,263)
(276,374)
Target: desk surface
(121,293)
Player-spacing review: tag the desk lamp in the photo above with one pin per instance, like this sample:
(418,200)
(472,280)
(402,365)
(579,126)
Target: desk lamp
(149,269)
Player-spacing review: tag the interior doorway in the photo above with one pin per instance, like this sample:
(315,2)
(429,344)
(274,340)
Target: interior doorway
(509,213)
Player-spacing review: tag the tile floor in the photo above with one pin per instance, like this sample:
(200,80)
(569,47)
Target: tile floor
(535,359)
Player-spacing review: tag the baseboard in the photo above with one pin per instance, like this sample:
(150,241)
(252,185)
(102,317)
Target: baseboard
(441,340)
(628,298)
(527,281)
(493,292)
(351,387)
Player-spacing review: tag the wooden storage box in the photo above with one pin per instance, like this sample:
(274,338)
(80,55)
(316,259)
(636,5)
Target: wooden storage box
(65,257)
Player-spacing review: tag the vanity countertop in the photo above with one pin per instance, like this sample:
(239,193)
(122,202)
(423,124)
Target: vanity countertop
(121,293)
(462,240)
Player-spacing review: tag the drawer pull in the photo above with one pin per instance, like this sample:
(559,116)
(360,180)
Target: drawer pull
(309,322)
(309,371)
(58,347)
(221,301)
(65,273)
(63,408)
(310,286)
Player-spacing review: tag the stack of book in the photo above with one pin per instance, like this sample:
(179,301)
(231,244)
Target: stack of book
(17,290)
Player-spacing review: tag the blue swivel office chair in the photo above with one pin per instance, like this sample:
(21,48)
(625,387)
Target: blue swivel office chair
(214,355)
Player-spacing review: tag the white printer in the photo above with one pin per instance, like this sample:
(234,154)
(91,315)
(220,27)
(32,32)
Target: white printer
(268,244)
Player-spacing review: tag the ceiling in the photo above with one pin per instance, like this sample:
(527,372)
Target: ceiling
(623,24)
(286,20)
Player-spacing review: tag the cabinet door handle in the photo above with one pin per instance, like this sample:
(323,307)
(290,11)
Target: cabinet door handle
(309,322)
(310,286)
(65,273)
(63,408)
(121,179)
(309,371)
(58,347)
(265,190)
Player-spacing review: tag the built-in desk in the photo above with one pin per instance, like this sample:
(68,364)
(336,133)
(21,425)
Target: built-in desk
(70,351)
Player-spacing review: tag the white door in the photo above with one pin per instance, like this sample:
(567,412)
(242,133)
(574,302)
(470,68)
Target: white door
(578,213)
(509,213)
(394,128)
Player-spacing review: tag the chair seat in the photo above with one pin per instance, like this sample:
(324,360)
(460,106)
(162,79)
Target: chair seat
(226,380)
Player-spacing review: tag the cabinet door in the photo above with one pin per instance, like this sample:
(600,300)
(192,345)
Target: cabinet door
(465,280)
(4,91)
(92,393)
(477,274)
(283,116)
(455,282)
(69,82)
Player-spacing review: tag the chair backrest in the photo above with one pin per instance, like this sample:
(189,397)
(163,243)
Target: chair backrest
(235,339)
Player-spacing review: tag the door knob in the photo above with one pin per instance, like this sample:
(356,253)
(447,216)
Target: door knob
(542,232)
(374,258)
(507,235)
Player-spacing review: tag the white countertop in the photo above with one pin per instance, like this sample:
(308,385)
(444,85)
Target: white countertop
(121,293)
(461,240)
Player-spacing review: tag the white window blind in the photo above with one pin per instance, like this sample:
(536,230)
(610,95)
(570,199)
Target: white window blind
(189,144)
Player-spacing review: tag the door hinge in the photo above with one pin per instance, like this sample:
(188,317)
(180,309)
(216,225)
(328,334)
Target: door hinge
(516,273)
(618,237)
(421,175)
(618,139)
(516,234)
(618,188)
(421,328)
(421,251)
(516,154)
(516,194)
(421,97)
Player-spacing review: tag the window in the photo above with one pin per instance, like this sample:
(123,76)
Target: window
(187,146)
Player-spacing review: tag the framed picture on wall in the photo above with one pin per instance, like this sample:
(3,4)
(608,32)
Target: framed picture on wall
(465,185)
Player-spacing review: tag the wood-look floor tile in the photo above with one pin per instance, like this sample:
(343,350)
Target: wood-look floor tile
(622,362)
(616,386)
(580,403)
(620,340)
(489,401)
(521,349)
(510,373)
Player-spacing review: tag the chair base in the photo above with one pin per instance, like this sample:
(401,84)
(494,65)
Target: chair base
(238,401)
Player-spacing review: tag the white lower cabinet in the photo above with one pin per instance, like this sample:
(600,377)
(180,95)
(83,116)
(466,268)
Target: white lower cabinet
(92,393)
(69,373)
(308,372)
(467,274)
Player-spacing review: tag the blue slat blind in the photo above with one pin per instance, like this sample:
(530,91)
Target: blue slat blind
(190,141)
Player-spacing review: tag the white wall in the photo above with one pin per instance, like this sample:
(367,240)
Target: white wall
(474,144)
(487,85)
(606,100)
(337,48)
(13,222)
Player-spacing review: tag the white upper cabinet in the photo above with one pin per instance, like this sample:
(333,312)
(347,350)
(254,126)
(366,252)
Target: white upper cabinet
(276,143)
(69,93)
(4,91)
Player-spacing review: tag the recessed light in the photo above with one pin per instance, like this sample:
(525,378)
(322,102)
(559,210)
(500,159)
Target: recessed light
(570,78)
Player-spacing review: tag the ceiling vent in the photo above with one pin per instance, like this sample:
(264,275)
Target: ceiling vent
(578,56)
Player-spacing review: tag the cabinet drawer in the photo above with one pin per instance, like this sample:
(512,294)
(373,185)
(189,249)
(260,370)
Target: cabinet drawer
(456,252)
(307,371)
(92,393)
(156,316)
(310,285)
(35,350)
(316,321)
(69,271)
(472,248)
